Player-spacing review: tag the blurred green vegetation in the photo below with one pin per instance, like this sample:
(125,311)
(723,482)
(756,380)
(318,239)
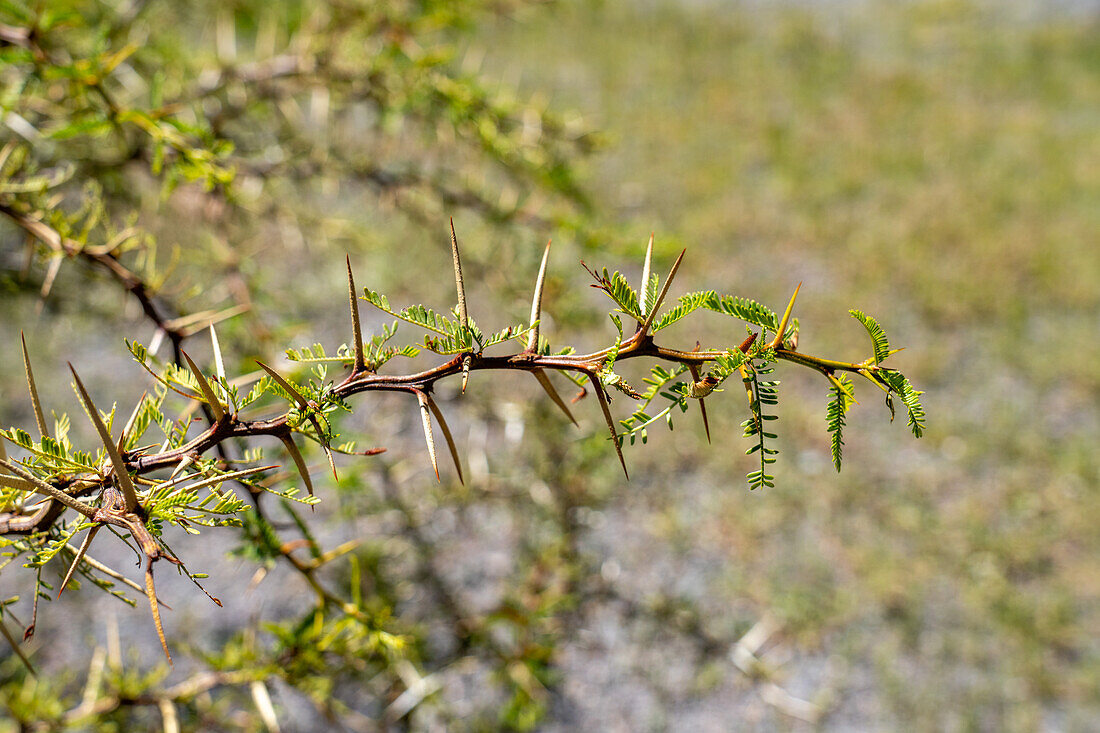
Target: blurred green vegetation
(934,163)
(938,164)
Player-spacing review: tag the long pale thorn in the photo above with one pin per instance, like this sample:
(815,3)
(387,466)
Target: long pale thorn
(303,405)
(38,416)
(778,340)
(841,386)
(548,387)
(299,462)
(356,324)
(460,285)
(602,397)
(661,298)
(207,391)
(219,363)
(79,557)
(447,436)
(426,420)
(463,315)
(132,419)
(536,302)
(129,495)
(645,274)
(297,396)
(232,476)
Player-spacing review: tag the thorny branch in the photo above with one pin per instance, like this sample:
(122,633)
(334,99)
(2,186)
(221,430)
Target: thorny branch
(122,507)
(362,379)
(106,259)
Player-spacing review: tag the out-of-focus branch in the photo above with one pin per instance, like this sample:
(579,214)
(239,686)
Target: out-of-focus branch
(104,260)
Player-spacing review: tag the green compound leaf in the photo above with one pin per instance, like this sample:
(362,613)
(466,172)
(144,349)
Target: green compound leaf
(909,394)
(878,336)
(426,318)
(747,310)
(763,394)
(689,303)
(835,411)
(616,287)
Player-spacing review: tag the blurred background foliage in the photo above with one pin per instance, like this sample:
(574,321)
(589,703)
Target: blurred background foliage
(935,163)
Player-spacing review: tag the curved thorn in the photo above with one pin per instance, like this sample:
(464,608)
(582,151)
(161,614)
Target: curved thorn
(117,465)
(426,419)
(661,297)
(446,436)
(207,391)
(465,372)
(38,417)
(778,340)
(536,301)
(356,325)
(548,386)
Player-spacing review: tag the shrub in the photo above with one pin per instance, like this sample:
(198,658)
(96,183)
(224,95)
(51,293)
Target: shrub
(104,115)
